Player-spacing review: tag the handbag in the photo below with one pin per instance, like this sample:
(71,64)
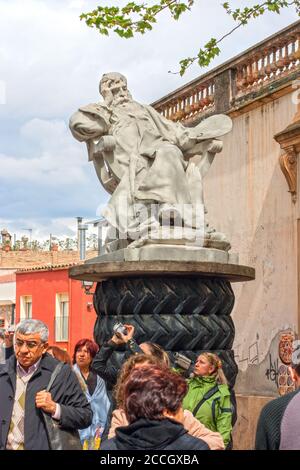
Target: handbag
(60,438)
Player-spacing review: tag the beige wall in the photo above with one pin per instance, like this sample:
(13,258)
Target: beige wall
(253,207)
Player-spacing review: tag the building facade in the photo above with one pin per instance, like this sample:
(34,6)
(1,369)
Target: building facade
(252,195)
(7,297)
(47,294)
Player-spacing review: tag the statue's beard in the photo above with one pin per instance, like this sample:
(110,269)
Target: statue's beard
(121,99)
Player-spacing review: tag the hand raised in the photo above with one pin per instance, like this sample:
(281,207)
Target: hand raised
(8,339)
(120,338)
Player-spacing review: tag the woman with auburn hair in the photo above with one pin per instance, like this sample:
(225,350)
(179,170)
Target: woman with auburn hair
(133,362)
(208,396)
(95,391)
(191,424)
(103,365)
(153,406)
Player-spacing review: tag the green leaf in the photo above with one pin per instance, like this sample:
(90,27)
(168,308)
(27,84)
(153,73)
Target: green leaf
(140,17)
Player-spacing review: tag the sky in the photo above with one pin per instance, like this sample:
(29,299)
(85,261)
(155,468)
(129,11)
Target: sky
(50,65)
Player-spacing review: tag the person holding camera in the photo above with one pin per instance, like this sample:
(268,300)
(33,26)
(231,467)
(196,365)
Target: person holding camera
(208,396)
(122,336)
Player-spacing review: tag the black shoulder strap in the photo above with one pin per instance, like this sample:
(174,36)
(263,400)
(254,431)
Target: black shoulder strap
(205,397)
(54,375)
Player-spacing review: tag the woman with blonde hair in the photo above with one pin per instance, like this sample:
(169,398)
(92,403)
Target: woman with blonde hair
(191,424)
(208,397)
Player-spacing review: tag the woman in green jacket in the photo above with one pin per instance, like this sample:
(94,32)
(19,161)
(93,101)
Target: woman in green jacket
(208,396)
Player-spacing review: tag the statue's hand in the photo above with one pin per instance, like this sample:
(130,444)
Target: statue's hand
(216,146)
(210,145)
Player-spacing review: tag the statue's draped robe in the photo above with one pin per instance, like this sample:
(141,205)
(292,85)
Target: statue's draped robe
(149,150)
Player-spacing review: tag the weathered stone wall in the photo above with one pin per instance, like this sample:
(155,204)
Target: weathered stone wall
(249,408)
(256,211)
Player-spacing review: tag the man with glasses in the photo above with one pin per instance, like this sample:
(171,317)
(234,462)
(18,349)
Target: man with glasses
(23,396)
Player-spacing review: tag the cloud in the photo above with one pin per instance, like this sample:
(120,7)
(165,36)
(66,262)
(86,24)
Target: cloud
(51,63)
(54,181)
(54,62)
(58,158)
(61,227)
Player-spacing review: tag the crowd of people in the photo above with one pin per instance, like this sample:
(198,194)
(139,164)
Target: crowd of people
(148,404)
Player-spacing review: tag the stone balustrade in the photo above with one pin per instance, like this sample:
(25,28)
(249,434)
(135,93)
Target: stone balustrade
(269,67)
(193,102)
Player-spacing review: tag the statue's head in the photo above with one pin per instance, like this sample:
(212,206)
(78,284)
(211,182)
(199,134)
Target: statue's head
(113,88)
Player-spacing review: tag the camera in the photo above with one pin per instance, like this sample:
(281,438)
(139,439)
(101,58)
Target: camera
(183,363)
(120,328)
(11,329)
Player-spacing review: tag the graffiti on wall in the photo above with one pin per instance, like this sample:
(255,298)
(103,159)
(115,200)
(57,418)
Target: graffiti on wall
(253,354)
(278,367)
(268,374)
(272,371)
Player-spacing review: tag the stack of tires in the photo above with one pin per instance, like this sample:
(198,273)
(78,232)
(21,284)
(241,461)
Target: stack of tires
(182,314)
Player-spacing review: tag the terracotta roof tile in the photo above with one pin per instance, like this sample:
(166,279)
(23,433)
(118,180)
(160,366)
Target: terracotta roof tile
(47,267)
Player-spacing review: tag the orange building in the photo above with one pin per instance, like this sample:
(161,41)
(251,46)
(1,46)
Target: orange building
(46,293)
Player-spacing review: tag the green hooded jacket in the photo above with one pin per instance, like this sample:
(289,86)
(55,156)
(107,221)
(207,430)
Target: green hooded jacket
(216,412)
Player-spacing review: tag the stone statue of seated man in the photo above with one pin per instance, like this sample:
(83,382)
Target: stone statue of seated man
(150,165)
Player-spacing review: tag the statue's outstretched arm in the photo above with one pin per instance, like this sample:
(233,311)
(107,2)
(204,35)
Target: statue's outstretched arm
(89,122)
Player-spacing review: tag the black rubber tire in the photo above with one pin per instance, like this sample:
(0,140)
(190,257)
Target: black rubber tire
(153,328)
(174,332)
(187,315)
(181,295)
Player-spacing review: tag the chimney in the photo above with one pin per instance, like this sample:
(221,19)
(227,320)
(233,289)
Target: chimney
(79,222)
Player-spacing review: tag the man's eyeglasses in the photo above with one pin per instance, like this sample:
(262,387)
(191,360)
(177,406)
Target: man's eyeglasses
(29,344)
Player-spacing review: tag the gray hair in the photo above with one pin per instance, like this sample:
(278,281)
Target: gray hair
(25,327)
(111,76)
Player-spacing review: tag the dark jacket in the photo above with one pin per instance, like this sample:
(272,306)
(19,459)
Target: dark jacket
(76,412)
(145,434)
(268,427)
(104,367)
